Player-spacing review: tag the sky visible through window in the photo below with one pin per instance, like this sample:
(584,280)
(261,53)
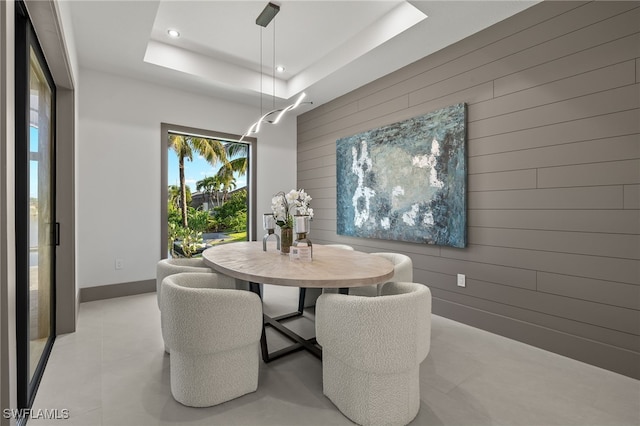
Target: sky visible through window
(196,170)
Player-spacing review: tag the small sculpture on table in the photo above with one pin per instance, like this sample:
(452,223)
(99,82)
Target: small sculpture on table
(303,246)
(269,224)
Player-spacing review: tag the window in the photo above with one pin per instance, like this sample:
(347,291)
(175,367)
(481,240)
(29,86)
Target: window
(207,193)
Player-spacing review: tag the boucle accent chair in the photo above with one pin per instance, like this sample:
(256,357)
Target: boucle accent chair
(214,336)
(402,272)
(168,267)
(340,246)
(372,348)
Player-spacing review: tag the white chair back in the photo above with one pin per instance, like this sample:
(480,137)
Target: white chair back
(402,272)
(166,267)
(340,246)
(214,333)
(372,348)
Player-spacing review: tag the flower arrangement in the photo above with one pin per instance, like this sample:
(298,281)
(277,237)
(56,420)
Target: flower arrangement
(284,206)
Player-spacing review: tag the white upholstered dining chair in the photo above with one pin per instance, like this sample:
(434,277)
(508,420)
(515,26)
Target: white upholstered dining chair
(341,246)
(402,272)
(372,348)
(166,267)
(214,336)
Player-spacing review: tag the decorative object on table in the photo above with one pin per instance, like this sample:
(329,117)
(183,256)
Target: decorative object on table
(286,240)
(284,207)
(405,181)
(302,247)
(214,335)
(269,224)
(372,348)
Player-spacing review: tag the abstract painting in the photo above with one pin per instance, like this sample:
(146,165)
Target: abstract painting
(406,181)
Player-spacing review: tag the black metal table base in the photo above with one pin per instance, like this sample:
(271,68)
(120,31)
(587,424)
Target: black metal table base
(300,343)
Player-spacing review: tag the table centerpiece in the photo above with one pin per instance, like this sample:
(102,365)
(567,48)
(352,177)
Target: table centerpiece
(284,207)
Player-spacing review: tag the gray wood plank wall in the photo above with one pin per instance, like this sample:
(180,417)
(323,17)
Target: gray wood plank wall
(553,100)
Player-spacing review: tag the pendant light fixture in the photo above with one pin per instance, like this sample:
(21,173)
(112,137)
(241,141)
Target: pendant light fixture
(275,115)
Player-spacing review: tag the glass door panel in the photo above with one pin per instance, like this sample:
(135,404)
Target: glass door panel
(35,210)
(41,219)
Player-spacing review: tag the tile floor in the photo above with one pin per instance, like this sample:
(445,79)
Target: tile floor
(113,371)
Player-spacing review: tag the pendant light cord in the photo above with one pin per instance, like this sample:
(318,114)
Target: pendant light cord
(261,71)
(263,20)
(273,70)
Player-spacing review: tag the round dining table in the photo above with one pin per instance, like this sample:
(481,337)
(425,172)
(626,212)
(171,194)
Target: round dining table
(330,268)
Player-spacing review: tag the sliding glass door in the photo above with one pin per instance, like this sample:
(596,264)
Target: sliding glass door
(35,208)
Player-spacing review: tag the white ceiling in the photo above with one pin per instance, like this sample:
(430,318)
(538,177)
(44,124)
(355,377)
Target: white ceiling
(328,48)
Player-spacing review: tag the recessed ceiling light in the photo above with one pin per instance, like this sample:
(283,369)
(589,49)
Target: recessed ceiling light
(280,68)
(173,33)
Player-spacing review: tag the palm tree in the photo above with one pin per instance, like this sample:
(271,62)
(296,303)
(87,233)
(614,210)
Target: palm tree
(209,185)
(184,146)
(239,154)
(174,196)
(227,185)
(238,164)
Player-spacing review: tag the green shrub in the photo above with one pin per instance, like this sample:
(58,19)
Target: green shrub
(238,222)
(212,224)
(197,219)
(233,213)
(189,239)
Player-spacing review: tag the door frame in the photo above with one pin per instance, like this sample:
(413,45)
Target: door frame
(26,39)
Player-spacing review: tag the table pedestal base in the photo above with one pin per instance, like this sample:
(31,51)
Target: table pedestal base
(300,343)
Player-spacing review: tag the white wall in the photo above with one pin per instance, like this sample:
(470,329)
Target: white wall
(118,175)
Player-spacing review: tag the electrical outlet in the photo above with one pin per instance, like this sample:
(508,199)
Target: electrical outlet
(119,264)
(462,281)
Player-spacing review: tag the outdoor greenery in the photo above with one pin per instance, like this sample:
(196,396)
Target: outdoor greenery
(235,236)
(233,213)
(218,185)
(226,213)
(185,146)
(230,216)
(190,240)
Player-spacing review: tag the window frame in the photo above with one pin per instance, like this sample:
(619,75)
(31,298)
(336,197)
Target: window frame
(165,130)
